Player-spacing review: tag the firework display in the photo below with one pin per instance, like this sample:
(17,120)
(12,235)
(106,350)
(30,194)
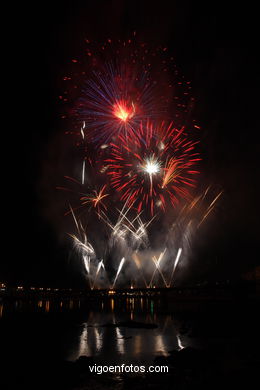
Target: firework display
(135,206)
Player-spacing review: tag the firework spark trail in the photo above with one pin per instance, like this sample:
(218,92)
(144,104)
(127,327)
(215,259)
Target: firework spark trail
(114,227)
(86,263)
(86,247)
(139,233)
(157,267)
(83,172)
(124,216)
(83,246)
(86,260)
(209,209)
(170,172)
(118,271)
(175,265)
(82,130)
(100,264)
(125,225)
(74,218)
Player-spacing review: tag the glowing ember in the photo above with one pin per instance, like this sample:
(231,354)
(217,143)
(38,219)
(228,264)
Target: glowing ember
(152,166)
(122,112)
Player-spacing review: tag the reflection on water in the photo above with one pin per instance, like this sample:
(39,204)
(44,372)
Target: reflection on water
(116,344)
(93,331)
(99,338)
(47,306)
(40,305)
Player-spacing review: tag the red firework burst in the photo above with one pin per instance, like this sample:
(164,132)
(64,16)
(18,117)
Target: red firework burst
(155,167)
(115,85)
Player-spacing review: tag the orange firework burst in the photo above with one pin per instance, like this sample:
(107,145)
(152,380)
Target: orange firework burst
(95,199)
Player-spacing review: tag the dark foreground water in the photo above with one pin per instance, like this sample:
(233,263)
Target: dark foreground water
(205,344)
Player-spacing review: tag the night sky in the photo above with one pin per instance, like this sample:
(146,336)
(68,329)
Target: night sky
(215,46)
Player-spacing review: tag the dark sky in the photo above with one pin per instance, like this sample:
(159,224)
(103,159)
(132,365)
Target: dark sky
(215,46)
